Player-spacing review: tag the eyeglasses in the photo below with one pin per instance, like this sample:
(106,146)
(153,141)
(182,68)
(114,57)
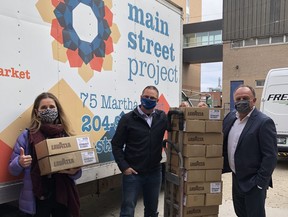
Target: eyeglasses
(149,97)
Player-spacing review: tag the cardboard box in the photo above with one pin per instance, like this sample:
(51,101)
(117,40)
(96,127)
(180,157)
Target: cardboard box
(208,199)
(194,163)
(194,200)
(61,145)
(200,211)
(203,113)
(202,187)
(202,138)
(214,150)
(197,126)
(202,175)
(189,200)
(195,113)
(213,126)
(194,150)
(69,160)
(213,175)
(213,199)
(194,175)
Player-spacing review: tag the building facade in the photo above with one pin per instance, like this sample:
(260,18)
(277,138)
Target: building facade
(191,73)
(255,40)
(202,43)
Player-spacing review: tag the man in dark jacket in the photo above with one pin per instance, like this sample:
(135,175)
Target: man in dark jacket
(137,149)
(250,152)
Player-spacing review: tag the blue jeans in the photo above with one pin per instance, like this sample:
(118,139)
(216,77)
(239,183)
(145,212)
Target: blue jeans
(149,184)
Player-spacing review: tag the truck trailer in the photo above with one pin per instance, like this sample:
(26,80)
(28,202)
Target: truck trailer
(96,56)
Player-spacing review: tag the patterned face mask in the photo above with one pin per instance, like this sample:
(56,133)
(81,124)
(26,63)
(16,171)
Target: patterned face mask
(243,106)
(48,115)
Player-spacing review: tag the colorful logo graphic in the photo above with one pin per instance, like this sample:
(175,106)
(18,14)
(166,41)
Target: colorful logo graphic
(89,48)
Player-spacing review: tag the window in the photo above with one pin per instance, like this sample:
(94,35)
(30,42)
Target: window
(259,83)
(202,38)
(277,39)
(261,41)
(218,37)
(215,37)
(237,44)
(250,42)
(189,40)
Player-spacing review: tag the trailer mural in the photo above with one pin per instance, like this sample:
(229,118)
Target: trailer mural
(96,56)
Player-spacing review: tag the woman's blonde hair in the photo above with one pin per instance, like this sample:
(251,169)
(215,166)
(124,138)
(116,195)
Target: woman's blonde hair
(35,123)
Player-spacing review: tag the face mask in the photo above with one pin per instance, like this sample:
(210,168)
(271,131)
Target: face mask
(242,106)
(48,115)
(148,103)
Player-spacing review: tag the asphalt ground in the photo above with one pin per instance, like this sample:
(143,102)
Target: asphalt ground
(108,204)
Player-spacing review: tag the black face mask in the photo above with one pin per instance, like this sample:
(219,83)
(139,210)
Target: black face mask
(243,106)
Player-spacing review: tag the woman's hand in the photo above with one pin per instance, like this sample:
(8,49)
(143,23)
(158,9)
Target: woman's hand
(24,160)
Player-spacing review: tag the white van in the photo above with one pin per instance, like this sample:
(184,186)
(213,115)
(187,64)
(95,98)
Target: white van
(274,103)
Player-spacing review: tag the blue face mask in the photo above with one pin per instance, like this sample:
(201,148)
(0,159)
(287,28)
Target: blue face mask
(148,103)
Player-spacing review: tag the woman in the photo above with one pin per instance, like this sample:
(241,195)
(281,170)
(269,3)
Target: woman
(202,105)
(53,194)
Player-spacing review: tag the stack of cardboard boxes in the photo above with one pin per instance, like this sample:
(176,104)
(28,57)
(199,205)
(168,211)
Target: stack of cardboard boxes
(65,153)
(201,149)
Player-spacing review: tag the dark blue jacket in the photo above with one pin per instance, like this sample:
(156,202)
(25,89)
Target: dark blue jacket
(143,145)
(256,152)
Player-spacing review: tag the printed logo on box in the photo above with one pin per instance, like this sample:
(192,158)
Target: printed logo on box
(197,163)
(61,145)
(64,161)
(196,138)
(197,188)
(194,211)
(195,113)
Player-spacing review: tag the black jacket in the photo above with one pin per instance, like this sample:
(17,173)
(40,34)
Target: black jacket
(256,153)
(136,145)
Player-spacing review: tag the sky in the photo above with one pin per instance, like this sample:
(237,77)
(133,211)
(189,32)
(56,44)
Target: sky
(211,9)
(211,72)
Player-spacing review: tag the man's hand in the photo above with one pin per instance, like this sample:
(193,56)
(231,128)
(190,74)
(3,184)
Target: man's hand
(24,160)
(129,171)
